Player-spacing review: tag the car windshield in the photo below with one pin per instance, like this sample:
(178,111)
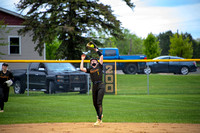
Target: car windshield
(61,67)
(167,57)
(176,58)
(161,57)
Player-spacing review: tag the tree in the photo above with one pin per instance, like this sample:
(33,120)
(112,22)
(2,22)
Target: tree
(164,42)
(69,21)
(130,44)
(180,47)
(195,45)
(52,49)
(151,46)
(196,48)
(3,29)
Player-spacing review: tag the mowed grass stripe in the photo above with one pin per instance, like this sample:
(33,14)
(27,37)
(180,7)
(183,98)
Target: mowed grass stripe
(152,109)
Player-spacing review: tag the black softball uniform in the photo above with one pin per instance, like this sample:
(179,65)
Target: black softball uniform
(4,89)
(98,88)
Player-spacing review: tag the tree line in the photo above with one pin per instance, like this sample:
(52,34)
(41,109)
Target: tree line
(166,43)
(175,44)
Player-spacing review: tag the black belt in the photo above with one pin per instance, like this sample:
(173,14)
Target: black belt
(97,82)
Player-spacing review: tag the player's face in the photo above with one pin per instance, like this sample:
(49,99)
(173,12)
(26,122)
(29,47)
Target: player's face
(4,68)
(93,63)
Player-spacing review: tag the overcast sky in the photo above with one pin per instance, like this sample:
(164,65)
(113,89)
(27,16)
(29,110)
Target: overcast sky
(151,15)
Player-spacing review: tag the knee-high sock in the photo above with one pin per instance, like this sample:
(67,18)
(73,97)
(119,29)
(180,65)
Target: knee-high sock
(100,111)
(2,104)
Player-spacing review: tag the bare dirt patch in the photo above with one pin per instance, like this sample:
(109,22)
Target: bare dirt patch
(104,128)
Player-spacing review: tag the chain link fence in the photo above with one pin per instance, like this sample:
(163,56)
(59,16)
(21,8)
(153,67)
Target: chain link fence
(61,77)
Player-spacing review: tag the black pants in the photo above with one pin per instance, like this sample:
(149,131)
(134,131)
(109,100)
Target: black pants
(98,91)
(4,93)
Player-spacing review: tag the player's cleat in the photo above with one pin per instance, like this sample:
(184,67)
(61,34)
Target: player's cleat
(98,122)
(1,111)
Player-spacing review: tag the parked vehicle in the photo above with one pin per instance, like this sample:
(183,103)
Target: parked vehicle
(128,67)
(171,67)
(1,66)
(51,78)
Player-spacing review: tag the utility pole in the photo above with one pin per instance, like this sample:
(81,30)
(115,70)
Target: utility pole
(130,50)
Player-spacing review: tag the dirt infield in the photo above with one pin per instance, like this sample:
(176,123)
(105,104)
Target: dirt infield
(104,128)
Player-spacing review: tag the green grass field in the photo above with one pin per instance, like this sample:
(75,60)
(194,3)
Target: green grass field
(159,84)
(172,99)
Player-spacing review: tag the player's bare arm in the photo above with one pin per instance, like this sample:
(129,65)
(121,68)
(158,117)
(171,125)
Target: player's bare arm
(100,57)
(82,61)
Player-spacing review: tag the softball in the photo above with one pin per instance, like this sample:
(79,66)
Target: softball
(92,45)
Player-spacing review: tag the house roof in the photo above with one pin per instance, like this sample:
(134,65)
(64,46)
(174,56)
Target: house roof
(11,13)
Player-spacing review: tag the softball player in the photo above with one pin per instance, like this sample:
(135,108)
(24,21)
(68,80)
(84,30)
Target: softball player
(6,78)
(98,90)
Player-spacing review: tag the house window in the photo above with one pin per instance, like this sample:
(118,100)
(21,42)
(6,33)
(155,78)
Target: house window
(14,45)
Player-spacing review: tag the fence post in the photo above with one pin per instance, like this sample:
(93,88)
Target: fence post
(88,65)
(147,79)
(27,84)
(115,78)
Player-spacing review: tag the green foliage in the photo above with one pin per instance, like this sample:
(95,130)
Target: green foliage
(164,42)
(129,45)
(69,21)
(2,31)
(128,2)
(195,45)
(196,48)
(180,47)
(151,46)
(52,52)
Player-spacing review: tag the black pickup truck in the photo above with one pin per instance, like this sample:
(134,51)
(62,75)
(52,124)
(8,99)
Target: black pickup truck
(51,78)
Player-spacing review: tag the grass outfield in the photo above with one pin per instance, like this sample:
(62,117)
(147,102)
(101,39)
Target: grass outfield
(172,99)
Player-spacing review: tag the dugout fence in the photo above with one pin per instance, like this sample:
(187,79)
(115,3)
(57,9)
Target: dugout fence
(118,83)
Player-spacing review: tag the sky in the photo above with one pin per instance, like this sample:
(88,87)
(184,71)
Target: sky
(150,16)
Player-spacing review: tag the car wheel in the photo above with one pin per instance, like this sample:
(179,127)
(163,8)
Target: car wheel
(124,71)
(18,87)
(147,70)
(131,69)
(51,88)
(184,70)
